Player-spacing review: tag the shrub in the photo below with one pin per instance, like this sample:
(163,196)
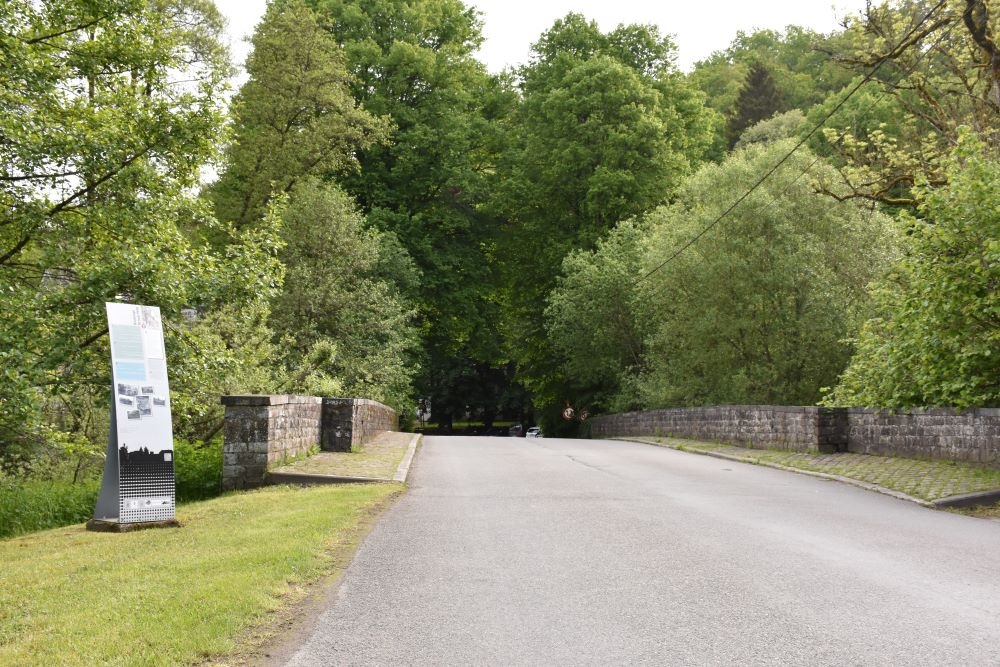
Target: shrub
(198,469)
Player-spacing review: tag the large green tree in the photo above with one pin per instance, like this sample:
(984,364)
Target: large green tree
(339,324)
(338,316)
(606,129)
(294,117)
(756,311)
(414,62)
(108,111)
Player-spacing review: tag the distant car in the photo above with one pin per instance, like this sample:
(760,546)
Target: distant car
(533,432)
(516,431)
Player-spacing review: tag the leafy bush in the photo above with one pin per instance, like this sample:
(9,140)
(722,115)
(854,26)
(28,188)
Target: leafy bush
(198,469)
(936,336)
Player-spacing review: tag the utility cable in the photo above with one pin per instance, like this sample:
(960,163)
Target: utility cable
(868,77)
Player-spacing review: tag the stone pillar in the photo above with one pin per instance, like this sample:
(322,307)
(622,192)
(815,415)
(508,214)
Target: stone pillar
(244,441)
(832,430)
(263,430)
(337,433)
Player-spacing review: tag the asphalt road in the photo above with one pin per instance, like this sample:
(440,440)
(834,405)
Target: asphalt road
(510,551)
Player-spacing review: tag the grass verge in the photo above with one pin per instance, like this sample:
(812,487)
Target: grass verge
(175,596)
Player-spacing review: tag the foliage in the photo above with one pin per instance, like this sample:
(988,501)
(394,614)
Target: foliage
(797,58)
(754,312)
(413,62)
(606,129)
(108,110)
(935,340)
(759,99)
(339,300)
(595,318)
(936,78)
(781,126)
(337,326)
(294,117)
(27,505)
(197,469)
(757,311)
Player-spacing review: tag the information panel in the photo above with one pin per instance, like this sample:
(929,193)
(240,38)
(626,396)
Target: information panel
(138,482)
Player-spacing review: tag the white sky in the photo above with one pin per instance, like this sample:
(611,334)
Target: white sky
(699,28)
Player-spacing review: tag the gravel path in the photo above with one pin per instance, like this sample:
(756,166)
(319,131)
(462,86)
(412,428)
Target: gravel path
(515,551)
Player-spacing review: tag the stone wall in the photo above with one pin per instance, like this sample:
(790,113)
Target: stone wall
(260,431)
(972,436)
(764,426)
(350,422)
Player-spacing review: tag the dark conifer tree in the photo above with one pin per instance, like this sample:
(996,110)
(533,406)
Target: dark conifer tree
(759,100)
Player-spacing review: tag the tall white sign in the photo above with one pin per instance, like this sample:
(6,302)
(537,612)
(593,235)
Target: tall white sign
(138,482)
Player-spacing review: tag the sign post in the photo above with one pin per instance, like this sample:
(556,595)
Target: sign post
(137,489)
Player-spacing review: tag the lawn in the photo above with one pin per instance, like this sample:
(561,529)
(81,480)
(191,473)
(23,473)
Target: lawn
(175,596)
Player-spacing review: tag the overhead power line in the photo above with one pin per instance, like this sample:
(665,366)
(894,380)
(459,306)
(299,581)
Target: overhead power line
(868,77)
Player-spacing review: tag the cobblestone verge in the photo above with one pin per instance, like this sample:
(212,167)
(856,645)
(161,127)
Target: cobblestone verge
(923,479)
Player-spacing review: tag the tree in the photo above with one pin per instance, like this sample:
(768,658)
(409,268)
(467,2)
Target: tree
(108,111)
(756,311)
(413,62)
(339,324)
(294,117)
(335,309)
(797,58)
(938,73)
(759,99)
(596,321)
(606,129)
(935,339)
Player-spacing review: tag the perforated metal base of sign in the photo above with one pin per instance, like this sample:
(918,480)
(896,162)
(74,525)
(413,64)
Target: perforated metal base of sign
(146,491)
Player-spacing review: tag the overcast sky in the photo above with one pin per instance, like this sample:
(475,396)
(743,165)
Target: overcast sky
(510,26)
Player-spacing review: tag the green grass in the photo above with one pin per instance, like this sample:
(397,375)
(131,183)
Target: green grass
(987,512)
(920,478)
(30,505)
(174,596)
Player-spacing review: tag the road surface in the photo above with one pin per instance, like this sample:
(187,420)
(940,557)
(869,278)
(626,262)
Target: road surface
(510,551)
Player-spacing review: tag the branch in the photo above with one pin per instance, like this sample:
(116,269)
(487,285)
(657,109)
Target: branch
(82,26)
(976,19)
(65,204)
(93,339)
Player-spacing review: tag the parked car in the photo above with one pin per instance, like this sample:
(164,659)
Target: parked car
(534,432)
(516,431)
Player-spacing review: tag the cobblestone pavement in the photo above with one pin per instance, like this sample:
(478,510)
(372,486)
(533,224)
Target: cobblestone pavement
(377,459)
(923,479)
